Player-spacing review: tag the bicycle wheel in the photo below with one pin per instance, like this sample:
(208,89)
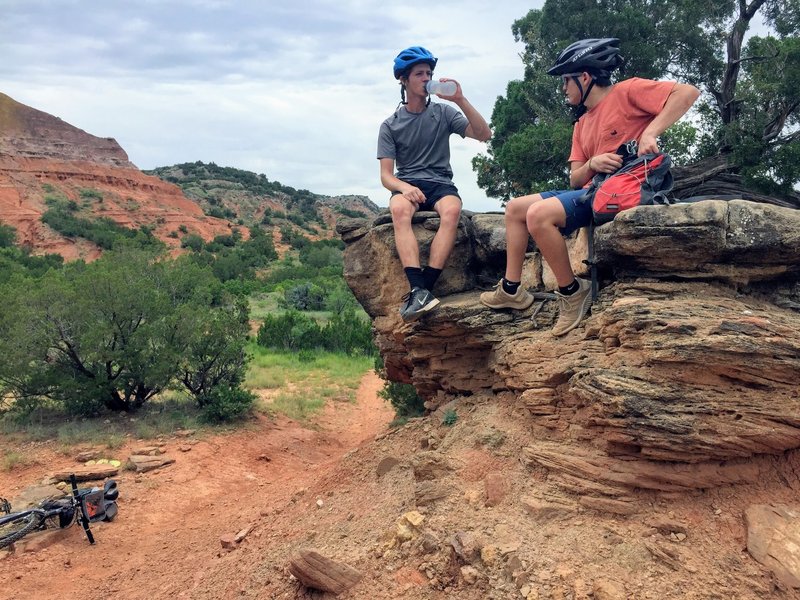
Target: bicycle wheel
(19,527)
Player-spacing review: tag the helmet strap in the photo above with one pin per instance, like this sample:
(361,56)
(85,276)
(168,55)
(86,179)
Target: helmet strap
(584,95)
(588,89)
(403,96)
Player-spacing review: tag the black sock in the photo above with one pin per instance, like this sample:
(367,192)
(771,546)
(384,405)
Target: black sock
(415,277)
(570,289)
(510,287)
(431,276)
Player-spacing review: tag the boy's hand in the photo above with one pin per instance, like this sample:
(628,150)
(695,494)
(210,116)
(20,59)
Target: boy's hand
(606,163)
(648,144)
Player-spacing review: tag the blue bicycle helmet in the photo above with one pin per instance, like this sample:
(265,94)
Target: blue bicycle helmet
(410,57)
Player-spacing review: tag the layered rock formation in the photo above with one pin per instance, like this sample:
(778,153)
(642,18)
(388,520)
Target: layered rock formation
(41,156)
(684,376)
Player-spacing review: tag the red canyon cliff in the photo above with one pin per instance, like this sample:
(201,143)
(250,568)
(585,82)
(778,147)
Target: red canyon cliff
(43,157)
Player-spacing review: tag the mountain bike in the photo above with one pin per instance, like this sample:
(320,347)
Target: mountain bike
(84,506)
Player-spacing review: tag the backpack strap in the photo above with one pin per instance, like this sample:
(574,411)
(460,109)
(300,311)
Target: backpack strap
(591,262)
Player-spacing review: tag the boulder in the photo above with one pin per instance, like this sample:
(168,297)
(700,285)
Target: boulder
(773,539)
(683,376)
(319,572)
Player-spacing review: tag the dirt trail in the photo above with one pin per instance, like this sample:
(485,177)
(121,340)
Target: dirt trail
(171,520)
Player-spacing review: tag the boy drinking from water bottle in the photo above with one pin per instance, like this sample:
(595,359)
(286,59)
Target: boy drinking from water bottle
(415,140)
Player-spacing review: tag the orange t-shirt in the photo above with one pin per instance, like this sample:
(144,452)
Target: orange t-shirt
(621,116)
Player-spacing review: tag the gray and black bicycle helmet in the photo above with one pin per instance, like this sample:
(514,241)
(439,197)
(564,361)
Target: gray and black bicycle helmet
(596,56)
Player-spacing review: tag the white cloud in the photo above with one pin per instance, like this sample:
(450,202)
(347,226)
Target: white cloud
(295,92)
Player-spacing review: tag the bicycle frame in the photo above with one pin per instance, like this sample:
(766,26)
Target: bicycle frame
(84,505)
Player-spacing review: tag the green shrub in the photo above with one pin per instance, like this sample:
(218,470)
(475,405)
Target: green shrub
(8,236)
(450,417)
(347,332)
(355,214)
(192,241)
(224,404)
(305,296)
(91,194)
(404,399)
(118,331)
(104,232)
(306,356)
(289,331)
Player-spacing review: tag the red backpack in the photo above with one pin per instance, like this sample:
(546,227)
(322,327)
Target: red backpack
(641,180)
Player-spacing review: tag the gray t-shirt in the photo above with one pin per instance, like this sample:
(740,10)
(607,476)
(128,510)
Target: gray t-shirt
(419,143)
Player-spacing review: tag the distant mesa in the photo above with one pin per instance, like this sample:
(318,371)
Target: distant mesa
(26,132)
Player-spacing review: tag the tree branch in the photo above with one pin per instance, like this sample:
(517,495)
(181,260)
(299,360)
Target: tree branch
(788,139)
(775,126)
(776,55)
(726,103)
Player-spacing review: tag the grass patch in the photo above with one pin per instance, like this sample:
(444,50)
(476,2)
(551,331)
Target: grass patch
(263,304)
(299,406)
(312,382)
(14,460)
(159,417)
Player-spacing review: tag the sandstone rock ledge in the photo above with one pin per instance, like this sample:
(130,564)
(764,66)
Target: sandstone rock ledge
(684,376)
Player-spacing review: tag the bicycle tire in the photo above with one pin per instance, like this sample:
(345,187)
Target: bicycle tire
(16,529)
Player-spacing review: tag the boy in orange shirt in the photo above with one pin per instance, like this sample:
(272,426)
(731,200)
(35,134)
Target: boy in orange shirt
(634,109)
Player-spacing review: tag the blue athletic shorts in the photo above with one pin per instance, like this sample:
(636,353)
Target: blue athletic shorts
(579,214)
(433,191)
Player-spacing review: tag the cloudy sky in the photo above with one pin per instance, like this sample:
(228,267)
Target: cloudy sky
(296,92)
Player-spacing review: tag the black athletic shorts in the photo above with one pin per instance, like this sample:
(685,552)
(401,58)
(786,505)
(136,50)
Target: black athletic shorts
(434,191)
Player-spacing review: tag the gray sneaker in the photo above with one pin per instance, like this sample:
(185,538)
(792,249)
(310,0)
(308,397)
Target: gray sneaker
(499,298)
(418,302)
(571,309)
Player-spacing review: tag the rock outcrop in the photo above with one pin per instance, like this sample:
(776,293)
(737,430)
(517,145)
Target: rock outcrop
(684,376)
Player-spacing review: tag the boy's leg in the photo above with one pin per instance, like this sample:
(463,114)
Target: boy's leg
(507,293)
(418,300)
(545,221)
(548,222)
(407,248)
(517,234)
(449,209)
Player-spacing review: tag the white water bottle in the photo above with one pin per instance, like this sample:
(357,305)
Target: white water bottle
(442,88)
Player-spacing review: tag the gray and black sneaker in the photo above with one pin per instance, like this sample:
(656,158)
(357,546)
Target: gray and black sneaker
(418,302)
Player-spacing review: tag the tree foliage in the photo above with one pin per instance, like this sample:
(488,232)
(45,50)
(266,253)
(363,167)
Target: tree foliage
(751,91)
(114,333)
(294,331)
(102,231)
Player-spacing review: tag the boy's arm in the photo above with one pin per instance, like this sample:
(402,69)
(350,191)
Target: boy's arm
(393,184)
(678,102)
(477,128)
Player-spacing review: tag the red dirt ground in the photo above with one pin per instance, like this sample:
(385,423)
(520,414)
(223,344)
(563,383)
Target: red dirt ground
(345,486)
(171,520)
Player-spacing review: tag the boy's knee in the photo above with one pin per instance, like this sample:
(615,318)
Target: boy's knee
(517,208)
(539,216)
(450,214)
(401,211)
